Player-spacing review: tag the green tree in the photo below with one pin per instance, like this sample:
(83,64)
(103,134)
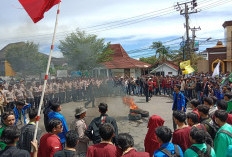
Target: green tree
(25,58)
(83,51)
(177,57)
(164,53)
(150,60)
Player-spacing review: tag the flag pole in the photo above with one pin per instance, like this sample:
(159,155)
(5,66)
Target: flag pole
(46,75)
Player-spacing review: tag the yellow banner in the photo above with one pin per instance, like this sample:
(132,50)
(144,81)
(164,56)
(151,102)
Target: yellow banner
(184,64)
(8,70)
(188,70)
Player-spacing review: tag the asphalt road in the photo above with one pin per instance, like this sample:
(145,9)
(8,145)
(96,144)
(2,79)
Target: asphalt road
(158,105)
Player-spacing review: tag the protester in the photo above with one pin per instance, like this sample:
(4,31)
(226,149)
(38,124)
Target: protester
(70,144)
(199,148)
(105,148)
(194,103)
(181,134)
(8,119)
(164,135)
(46,111)
(151,143)
(10,136)
(228,98)
(79,126)
(126,143)
(93,129)
(193,121)
(210,103)
(50,142)
(56,109)
(222,105)
(27,132)
(206,120)
(19,111)
(223,137)
(178,102)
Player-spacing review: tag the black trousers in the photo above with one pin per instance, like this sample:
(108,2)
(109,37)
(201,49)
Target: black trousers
(37,101)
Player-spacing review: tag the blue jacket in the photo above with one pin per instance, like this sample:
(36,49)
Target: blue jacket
(16,112)
(52,115)
(218,93)
(180,101)
(168,146)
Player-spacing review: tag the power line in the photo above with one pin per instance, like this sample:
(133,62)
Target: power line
(141,18)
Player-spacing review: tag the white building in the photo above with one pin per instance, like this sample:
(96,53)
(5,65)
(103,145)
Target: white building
(166,68)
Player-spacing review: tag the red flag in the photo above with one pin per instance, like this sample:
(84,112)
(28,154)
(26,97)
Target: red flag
(37,8)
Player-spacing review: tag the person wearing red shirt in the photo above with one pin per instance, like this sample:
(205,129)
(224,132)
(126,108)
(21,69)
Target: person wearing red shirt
(126,143)
(105,148)
(222,105)
(181,134)
(194,103)
(168,86)
(151,143)
(164,85)
(150,83)
(154,86)
(193,121)
(50,142)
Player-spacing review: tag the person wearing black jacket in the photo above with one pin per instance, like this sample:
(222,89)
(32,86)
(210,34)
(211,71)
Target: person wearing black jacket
(146,89)
(198,88)
(93,129)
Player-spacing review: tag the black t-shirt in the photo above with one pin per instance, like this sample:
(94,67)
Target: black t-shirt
(13,151)
(65,153)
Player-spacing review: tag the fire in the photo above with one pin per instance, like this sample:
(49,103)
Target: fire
(129,101)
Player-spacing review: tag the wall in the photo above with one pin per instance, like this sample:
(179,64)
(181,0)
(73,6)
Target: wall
(167,69)
(203,66)
(214,56)
(228,46)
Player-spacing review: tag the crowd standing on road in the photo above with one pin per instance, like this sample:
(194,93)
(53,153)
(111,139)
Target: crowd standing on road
(204,131)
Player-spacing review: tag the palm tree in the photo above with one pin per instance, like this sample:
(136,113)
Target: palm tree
(164,53)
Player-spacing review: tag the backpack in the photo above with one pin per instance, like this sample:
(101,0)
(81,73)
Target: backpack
(201,153)
(208,138)
(169,154)
(96,127)
(226,132)
(213,128)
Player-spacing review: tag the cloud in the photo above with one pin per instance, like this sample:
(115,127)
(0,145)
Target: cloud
(17,26)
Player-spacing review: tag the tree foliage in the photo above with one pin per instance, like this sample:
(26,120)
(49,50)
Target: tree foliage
(150,60)
(178,57)
(83,51)
(25,58)
(162,53)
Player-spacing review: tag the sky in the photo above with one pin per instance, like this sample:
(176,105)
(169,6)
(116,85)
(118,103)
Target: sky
(134,24)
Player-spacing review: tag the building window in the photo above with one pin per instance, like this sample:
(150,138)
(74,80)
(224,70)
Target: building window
(169,73)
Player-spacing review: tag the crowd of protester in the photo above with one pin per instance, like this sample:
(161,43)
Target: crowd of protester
(205,130)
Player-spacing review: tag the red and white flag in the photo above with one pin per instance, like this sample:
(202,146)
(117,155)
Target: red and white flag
(37,8)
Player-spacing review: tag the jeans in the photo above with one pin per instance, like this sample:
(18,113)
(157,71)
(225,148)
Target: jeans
(137,90)
(141,90)
(199,95)
(165,90)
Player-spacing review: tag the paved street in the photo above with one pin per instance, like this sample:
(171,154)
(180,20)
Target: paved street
(158,105)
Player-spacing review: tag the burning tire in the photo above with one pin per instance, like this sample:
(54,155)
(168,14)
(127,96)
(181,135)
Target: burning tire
(144,114)
(134,116)
(138,111)
(141,112)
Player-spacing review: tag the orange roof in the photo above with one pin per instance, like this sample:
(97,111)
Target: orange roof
(121,60)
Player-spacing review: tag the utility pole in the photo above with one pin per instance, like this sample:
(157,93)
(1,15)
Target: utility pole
(186,11)
(194,29)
